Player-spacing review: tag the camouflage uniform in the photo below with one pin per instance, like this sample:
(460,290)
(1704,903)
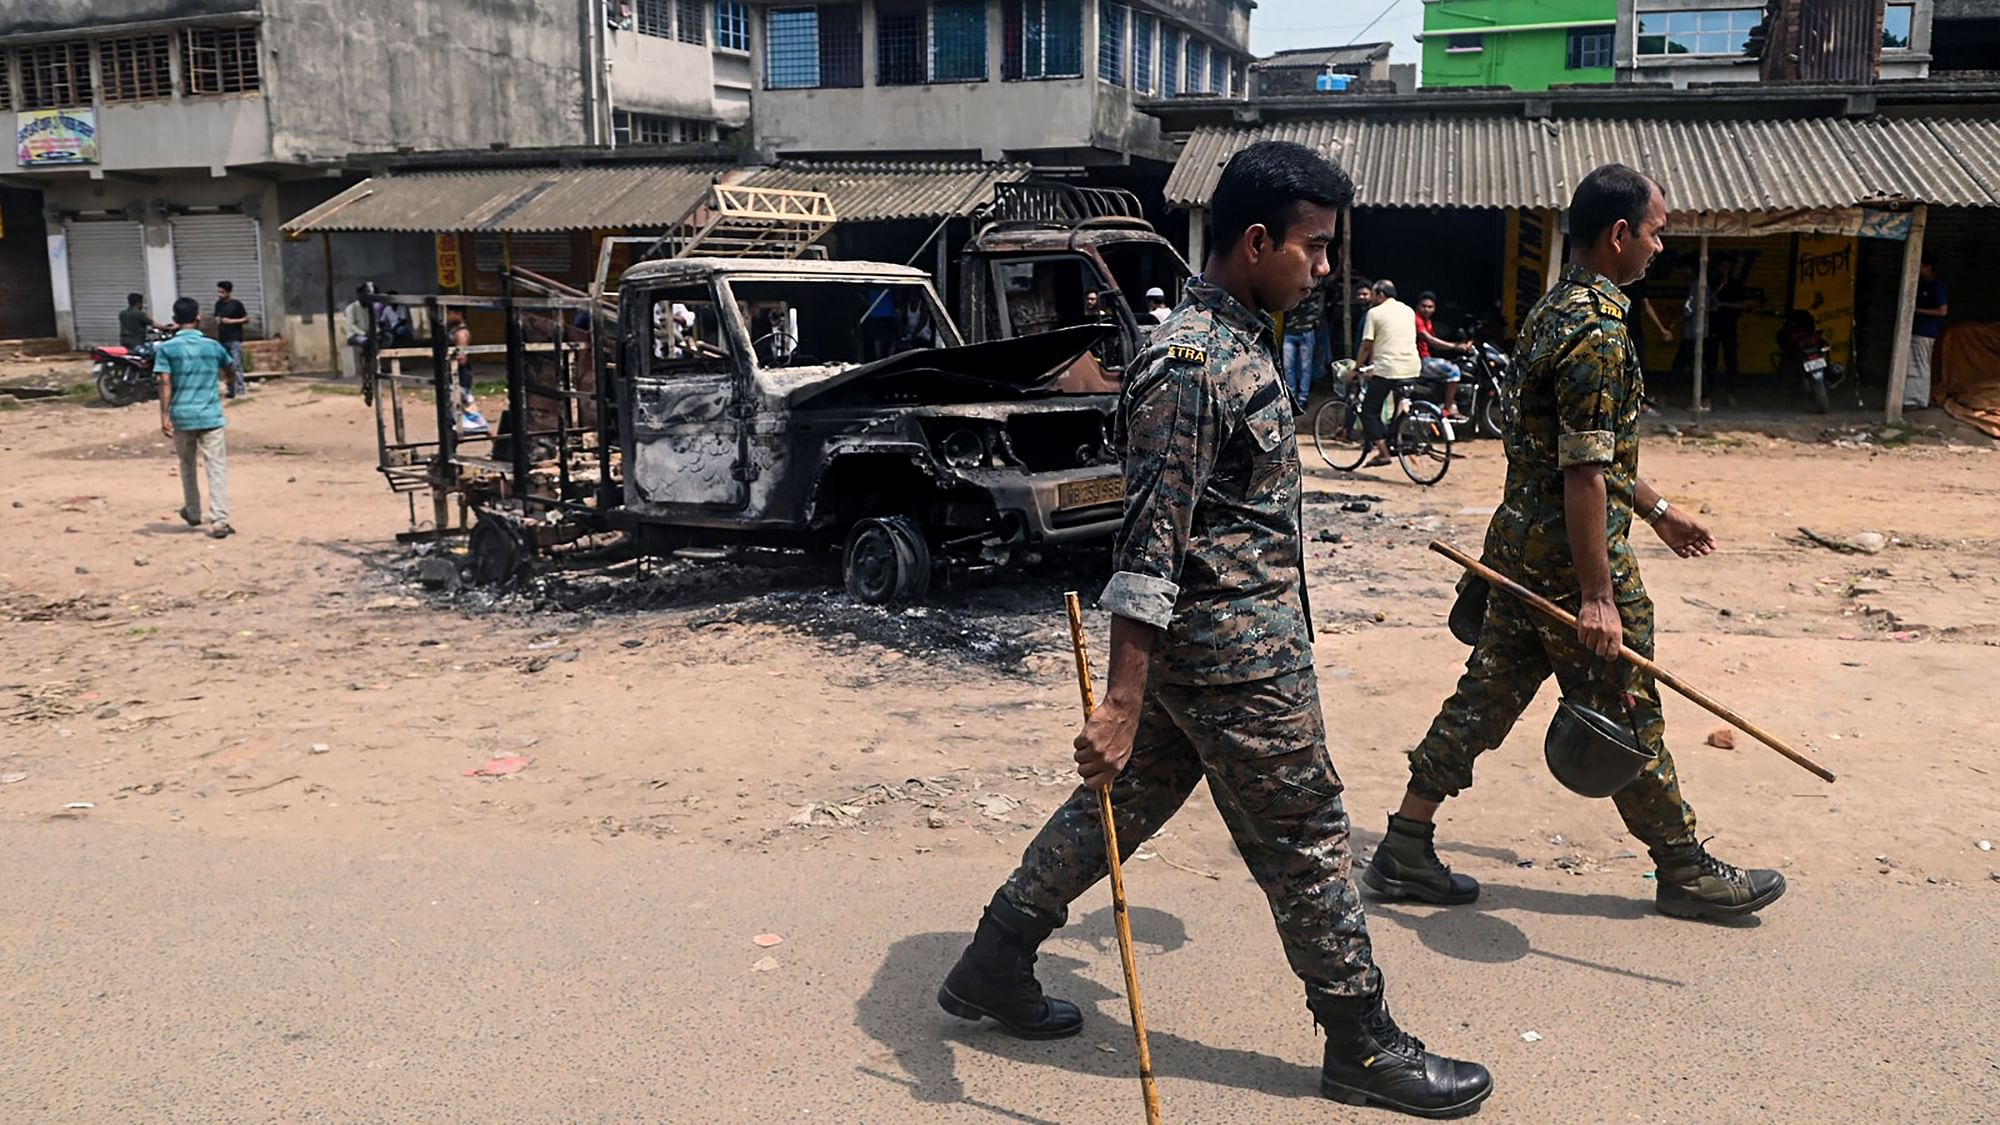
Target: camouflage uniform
(1210,553)
(1575,402)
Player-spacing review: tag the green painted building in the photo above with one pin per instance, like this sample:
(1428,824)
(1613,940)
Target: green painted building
(1520,44)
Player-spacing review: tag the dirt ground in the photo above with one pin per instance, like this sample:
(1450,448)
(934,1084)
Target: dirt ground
(292,697)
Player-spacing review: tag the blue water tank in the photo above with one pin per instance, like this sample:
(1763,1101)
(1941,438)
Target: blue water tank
(1332,83)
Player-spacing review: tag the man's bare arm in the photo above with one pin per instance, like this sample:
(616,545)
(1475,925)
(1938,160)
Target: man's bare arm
(1585,504)
(1106,741)
(1675,527)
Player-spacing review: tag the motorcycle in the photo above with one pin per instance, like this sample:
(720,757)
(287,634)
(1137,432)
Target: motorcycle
(1485,374)
(1807,356)
(125,375)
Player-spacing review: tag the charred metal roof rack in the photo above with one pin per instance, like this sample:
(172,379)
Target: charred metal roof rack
(1046,204)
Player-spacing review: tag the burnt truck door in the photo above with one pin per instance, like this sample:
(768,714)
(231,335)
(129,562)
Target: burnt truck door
(1041,292)
(691,381)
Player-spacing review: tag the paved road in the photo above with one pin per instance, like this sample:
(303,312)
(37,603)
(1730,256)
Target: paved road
(158,973)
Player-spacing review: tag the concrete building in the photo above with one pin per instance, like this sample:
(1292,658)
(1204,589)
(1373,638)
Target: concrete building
(1045,81)
(1517,44)
(1320,70)
(168,139)
(1965,35)
(1684,42)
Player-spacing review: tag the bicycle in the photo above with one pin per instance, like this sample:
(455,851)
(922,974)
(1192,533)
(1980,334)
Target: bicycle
(1418,433)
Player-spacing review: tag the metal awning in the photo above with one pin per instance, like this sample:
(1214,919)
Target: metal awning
(877,191)
(516,200)
(643,196)
(1475,161)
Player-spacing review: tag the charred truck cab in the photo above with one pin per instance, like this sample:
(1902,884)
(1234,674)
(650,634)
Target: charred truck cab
(818,404)
(1052,255)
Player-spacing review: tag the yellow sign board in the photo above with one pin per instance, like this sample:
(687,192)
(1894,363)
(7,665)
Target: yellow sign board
(1823,285)
(450,267)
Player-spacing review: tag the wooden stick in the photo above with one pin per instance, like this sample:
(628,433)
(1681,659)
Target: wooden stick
(1118,908)
(1550,609)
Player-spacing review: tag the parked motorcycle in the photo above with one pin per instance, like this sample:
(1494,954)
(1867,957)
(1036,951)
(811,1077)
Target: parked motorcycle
(1486,371)
(1807,357)
(125,376)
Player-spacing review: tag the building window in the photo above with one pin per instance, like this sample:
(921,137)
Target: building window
(899,42)
(1589,47)
(136,67)
(1111,43)
(219,60)
(1724,31)
(1170,62)
(1042,39)
(1218,73)
(656,129)
(958,41)
(1197,66)
(1897,22)
(55,76)
(1142,52)
(732,25)
(654,17)
(691,22)
(1462,44)
(6,86)
(813,47)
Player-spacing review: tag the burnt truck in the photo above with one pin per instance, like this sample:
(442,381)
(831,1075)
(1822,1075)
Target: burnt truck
(815,403)
(1052,255)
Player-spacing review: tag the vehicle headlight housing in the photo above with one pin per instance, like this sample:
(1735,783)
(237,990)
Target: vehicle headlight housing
(963,449)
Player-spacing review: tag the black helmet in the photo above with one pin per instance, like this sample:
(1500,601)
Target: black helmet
(1591,753)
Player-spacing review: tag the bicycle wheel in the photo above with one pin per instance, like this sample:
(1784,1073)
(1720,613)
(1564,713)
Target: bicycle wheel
(1338,436)
(1423,443)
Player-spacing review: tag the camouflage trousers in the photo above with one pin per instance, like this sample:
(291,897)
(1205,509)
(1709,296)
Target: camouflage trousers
(1517,650)
(1262,747)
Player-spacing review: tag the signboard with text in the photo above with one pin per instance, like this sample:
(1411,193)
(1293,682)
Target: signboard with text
(450,270)
(48,137)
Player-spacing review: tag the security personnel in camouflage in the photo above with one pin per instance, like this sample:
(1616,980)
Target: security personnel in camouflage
(1211,657)
(1573,446)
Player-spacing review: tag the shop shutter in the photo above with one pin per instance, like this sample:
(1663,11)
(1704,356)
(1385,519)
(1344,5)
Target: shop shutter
(212,248)
(107,260)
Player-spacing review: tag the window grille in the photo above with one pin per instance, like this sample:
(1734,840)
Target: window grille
(1111,43)
(1142,52)
(732,25)
(55,75)
(958,40)
(219,60)
(135,67)
(899,42)
(691,22)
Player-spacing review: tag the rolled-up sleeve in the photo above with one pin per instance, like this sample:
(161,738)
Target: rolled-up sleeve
(1589,384)
(1174,428)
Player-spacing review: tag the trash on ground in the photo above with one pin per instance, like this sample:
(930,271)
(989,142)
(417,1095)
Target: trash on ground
(764,965)
(1532,1036)
(500,767)
(79,805)
(766,941)
(1722,738)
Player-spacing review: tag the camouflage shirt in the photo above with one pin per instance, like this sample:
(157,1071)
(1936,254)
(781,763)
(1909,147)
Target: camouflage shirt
(1308,314)
(1210,550)
(1574,400)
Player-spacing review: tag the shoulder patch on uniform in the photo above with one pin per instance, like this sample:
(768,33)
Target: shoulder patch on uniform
(1187,352)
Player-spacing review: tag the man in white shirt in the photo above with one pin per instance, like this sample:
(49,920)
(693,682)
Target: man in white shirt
(1389,341)
(1156,305)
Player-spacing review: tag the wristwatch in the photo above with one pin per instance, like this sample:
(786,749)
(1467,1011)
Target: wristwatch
(1656,511)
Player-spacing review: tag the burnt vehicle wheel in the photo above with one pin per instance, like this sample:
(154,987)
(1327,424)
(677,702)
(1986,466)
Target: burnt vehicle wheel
(498,548)
(886,560)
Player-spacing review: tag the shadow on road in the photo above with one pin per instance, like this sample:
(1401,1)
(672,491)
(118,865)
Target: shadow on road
(900,1011)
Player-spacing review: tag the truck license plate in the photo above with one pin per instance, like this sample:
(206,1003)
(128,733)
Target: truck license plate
(1090,493)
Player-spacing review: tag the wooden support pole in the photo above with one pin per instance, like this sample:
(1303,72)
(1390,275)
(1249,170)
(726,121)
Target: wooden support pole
(1198,239)
(1906,316)
(1700,325)
(1346,277)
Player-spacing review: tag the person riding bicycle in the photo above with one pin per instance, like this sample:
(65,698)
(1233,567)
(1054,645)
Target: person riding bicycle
(1389,342)
(1436,366)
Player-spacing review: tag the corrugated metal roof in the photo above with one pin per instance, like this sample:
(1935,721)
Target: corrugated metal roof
(518,199)
(1704,166)
(1353,54)
(874,191)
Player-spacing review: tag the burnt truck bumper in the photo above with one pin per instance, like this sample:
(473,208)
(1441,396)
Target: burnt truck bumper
(1070,506)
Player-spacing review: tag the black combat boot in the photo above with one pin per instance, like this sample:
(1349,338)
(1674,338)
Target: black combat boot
(995,977)
(1406,865)
(1695,884)
(1371,1061)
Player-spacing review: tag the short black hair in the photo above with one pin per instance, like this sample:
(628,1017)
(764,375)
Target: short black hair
(1384,288)
(1927,259)
(134,300)
(1265,183)
(1611,192)
(187,310)
(226,286)
(1426,295)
